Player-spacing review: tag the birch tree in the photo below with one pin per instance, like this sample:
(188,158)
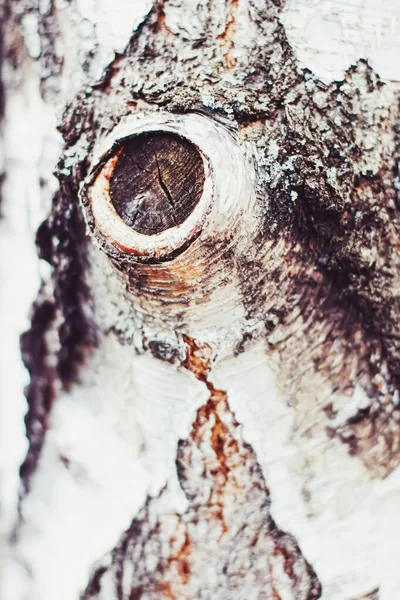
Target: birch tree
(213,347)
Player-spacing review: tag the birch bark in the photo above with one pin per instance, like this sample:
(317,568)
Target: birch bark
(212,409)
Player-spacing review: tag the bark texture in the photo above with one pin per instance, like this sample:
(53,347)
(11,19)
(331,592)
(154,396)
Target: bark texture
(238,351)
(227,523)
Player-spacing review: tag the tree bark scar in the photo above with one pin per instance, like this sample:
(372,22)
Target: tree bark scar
(157,182)
(41,390)
(62,316)
(341,260)
(225,544)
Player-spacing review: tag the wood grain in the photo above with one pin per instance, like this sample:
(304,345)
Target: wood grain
(157,182)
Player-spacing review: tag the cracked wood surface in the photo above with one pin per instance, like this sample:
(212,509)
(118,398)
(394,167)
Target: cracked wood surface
(284,272)
(156,182)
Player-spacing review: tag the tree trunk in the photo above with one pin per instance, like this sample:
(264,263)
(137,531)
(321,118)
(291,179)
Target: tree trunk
(214,351)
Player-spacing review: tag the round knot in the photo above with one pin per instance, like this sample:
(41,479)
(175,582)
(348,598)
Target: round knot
(157,181)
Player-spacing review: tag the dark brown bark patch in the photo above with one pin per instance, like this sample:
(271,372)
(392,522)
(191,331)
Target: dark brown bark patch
(62,316)
(225,544)
(157,182)
(340,266)
(61,242)
(40,392)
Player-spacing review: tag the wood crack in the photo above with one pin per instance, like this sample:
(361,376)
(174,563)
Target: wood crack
(166,191)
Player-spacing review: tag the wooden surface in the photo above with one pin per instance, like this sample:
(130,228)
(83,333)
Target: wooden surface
(157,182)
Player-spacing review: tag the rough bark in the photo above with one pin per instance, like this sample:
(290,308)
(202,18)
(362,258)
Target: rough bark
(213,407)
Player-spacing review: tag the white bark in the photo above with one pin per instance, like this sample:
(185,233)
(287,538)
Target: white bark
(329,36)
(206,328)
